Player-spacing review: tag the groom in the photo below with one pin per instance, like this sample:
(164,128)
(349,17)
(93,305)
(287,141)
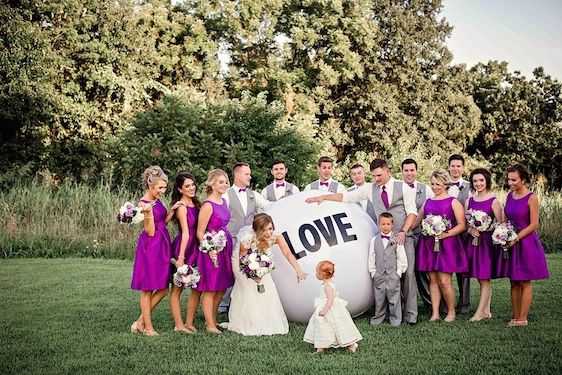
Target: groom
(243,203)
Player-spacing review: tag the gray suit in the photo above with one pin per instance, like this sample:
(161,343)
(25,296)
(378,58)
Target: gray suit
(237,220)
(422,278)
(386,284)
(398,211)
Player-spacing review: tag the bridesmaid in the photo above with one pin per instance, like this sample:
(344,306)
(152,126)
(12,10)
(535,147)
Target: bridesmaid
(214,215)
(526,258)
(452,256)
(485,259)
(151,269)
(185,208)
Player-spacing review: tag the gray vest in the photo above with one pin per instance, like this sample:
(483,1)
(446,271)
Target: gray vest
(333,188)
(396,207)
(464,191)
(385,258)
(237,217)
(421,197)
(270,191)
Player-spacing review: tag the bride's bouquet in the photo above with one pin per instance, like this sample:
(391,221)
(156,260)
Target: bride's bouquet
(478,220)
(213,242)
(186,276)
(434,225)
(256,264)
(129,213)
(503,235)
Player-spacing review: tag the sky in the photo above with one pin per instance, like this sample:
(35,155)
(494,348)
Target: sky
(524,33)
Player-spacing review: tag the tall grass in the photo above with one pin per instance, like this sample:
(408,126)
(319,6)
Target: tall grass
(43,220)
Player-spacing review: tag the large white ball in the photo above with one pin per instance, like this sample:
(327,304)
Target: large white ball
(335,231)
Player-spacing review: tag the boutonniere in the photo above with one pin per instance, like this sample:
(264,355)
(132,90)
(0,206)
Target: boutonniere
(391,243)
(418,193)
(461,187)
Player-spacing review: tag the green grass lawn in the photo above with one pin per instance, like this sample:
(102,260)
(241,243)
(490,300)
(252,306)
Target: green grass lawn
(73,316)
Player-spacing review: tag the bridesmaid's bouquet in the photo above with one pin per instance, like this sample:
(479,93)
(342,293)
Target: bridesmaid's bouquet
(478,220)
(186,276)
(503,235)
(434,225)
(256,264)
(129,213)
(213,242)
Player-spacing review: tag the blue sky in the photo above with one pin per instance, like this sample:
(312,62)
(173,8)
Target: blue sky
(525,33)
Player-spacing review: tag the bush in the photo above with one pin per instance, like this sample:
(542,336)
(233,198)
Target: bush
(197,135)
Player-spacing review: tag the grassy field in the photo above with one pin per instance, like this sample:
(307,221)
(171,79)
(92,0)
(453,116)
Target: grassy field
(72,315)
(41,220)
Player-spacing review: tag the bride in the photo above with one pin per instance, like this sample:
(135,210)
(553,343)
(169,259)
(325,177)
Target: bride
(253,313)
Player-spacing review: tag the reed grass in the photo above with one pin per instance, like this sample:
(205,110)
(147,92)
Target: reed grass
(43,220)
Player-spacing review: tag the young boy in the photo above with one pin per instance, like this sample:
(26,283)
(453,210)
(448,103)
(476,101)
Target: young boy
(387,263)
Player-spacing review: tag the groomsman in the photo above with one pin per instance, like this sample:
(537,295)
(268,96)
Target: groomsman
(390,195)
(243,204)
(357,174)
(279,188)
(325,182)
(460,189)
(423,191)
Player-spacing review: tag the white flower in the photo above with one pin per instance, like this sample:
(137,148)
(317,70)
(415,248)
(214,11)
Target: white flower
(254,266)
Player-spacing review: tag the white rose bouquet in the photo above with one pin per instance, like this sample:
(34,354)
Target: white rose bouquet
(186,276)
(435,225)
(503,235)
(255,264)
(129,213)
(213,242)
(478,220)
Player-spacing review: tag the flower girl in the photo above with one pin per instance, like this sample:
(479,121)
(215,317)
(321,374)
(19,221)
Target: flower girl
(330,326)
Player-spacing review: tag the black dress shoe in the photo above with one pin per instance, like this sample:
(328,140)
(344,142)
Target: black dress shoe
(412,323)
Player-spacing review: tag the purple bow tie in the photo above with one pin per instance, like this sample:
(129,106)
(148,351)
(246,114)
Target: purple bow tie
(455,183)
(383,236)
(324,183)
(281,184)
(241,190)
(411,185)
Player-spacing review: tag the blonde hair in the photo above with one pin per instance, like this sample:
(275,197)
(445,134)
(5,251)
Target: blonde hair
(212,178)
(441,176)
(152,175)
(326,269)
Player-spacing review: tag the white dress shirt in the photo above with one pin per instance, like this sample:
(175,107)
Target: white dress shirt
(261,202)
(366,192)
(325,188)
(363,203)
(279,190)
(454,190)
(401,259)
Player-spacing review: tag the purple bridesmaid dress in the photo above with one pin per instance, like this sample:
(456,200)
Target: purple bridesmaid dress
(221,278)
(526,258)
(151,268)
(452,255)
(192,248)
(485,259)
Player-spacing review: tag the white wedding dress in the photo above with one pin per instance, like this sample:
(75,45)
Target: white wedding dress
(252,313)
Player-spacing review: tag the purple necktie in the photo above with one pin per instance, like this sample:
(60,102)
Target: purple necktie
(411,185)
(280,184)
(384,197)
(241,190)
(383,236)
(323,183)
(455,183)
